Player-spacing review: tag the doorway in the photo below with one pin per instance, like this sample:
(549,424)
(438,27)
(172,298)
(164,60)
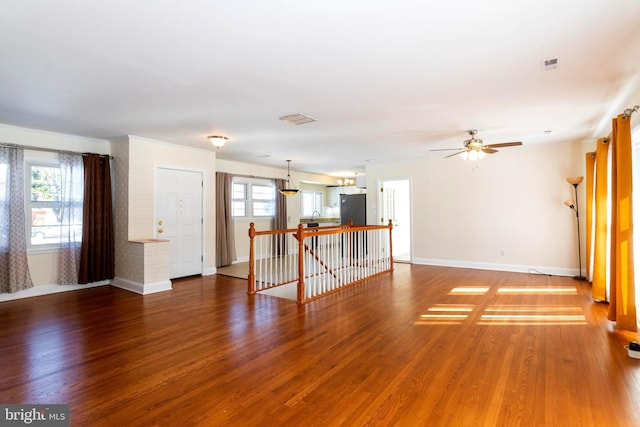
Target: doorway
(395,205)
(179,219)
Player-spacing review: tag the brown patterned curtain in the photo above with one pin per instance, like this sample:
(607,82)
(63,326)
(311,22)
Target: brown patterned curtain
(14,271)
(97,251)
(71,201)
(225,237)
(280,219)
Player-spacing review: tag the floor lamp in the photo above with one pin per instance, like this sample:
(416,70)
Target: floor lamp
(574,206)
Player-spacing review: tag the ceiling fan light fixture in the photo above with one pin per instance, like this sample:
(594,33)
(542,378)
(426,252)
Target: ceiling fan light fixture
(217,140)
(289,189)
(475,149)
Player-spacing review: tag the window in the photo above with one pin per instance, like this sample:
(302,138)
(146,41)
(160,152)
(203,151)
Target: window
(44,207)
(240,200)
(253,198)
(310,202)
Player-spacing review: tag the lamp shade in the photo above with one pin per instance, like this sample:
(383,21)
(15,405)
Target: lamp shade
(575,180)
(217,140)
(289,189)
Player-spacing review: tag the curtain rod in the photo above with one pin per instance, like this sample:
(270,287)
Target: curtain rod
(627,114)
(250,176)
(51,150)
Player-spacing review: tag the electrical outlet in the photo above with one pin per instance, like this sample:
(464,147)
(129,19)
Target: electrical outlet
(502,252)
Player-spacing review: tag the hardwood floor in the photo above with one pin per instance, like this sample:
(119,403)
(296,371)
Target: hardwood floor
(412,348)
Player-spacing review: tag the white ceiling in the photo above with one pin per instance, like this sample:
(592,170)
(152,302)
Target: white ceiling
(385,80)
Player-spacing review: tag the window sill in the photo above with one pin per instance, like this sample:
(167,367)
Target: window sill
(42,250)
(252,219)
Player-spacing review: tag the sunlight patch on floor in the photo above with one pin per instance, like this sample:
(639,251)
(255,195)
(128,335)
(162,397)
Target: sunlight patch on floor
(537,290)
(445,314)
(469,290)
(452,314)
(288,291)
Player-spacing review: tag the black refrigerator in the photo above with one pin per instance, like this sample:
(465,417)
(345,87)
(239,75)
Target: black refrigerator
(353,206)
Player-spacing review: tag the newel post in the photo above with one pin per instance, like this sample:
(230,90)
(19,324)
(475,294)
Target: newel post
(252,275)
(300,238)
(390,244)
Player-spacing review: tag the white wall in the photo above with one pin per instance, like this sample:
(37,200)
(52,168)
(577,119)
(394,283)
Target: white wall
(43,266)
(144,157)
(469,214)
(513,202)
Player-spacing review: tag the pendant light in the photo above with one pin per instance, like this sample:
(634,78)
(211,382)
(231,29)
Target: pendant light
(289,189)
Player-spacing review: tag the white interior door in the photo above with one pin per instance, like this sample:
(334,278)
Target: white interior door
(395,205)
(179,219)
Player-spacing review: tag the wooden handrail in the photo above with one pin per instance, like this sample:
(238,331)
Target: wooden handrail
(252,258)
(300,287)
(362,258)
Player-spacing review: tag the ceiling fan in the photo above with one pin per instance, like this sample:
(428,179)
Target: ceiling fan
(474,149)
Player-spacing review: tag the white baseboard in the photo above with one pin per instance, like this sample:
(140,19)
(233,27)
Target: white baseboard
(554,271)
(141,288)
(39,290)
(210,271)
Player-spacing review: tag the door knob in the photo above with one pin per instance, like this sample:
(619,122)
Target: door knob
(160,230)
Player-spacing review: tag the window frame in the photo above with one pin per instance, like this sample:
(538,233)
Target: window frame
(41,159)
(318,203)
(250,201)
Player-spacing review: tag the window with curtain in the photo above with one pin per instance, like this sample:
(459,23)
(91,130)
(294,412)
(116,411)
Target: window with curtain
(610,252)
(54,183)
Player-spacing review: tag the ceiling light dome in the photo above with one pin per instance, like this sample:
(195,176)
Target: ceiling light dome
(217,140)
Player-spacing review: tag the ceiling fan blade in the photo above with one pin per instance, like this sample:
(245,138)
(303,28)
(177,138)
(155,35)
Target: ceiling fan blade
(504,144)
(445,149)
(489,150)
(454,154)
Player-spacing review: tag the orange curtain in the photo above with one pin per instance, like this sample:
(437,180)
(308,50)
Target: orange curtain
(622,307)
(600,265)
(591,163)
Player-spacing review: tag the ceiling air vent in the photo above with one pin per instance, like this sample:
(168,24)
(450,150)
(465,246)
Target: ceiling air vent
(297,119)
(550,64)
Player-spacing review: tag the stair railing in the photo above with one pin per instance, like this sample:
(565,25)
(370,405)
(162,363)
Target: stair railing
(319,260)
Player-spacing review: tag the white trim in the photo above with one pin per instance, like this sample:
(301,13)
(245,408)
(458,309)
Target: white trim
(48,289)
(554,271)
(142,288)
(379,203)
(209,271)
